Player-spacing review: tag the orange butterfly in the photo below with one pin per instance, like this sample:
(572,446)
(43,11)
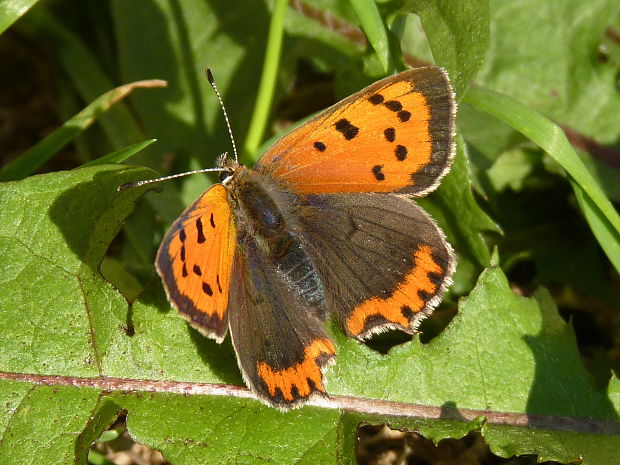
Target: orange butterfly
(321,226)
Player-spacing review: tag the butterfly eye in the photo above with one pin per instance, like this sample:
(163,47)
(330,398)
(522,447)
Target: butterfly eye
(224,175)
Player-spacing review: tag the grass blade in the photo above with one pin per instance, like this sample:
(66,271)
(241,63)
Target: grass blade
(373,27)
(119,156)
(607,237)
(11,11)
(551,138)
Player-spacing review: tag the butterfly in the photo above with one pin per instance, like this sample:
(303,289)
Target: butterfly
(322,227)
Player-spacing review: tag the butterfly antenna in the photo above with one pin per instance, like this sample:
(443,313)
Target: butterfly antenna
(129,185)
(219,97)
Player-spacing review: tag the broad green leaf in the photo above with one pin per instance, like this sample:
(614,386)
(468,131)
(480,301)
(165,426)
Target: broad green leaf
(51,424)
(53,297)
(233,431)
(551,138)
(147,353)
(12,10)
(33,158)
(505,357)
(546,55)
(458,35)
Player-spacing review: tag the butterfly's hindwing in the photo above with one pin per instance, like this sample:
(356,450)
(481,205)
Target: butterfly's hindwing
(383,261)
(281,347)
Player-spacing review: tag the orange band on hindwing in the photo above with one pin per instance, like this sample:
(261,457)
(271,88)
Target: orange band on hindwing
(299,375)
(405,301)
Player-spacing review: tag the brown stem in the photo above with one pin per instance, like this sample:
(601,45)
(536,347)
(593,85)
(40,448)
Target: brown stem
(347,403)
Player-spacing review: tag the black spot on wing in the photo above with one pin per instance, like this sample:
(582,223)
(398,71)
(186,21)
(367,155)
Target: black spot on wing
(212,221)
(390,134)
(376,170)
(207,289)
(376,99)
(425,296)
(320,146)
(197,270)
(406,311)
(404,116)
(345,127)
(393,105)
(201,234)
(400,152)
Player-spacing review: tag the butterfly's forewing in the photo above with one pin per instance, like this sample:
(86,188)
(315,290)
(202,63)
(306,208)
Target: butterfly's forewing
(281,346)
(383,261)
(195,261)
(396,135)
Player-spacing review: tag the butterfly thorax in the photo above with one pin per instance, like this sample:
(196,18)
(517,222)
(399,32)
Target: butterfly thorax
(266,217)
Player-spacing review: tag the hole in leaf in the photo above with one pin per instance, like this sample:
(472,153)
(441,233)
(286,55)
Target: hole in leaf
(116,447)
(381,445)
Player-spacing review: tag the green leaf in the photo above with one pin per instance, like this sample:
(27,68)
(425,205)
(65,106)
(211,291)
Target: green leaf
(551,138)
(458,34)
(553,62)
(186,118)
(225,431)
(33,158)
(12,10)
(68,328)
(59,422)
(52,293)
(373,27)
(606,235)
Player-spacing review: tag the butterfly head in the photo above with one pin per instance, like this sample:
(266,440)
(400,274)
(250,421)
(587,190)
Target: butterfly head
(227,168)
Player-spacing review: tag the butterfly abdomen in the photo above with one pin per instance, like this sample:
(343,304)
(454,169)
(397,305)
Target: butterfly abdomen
(300,273)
